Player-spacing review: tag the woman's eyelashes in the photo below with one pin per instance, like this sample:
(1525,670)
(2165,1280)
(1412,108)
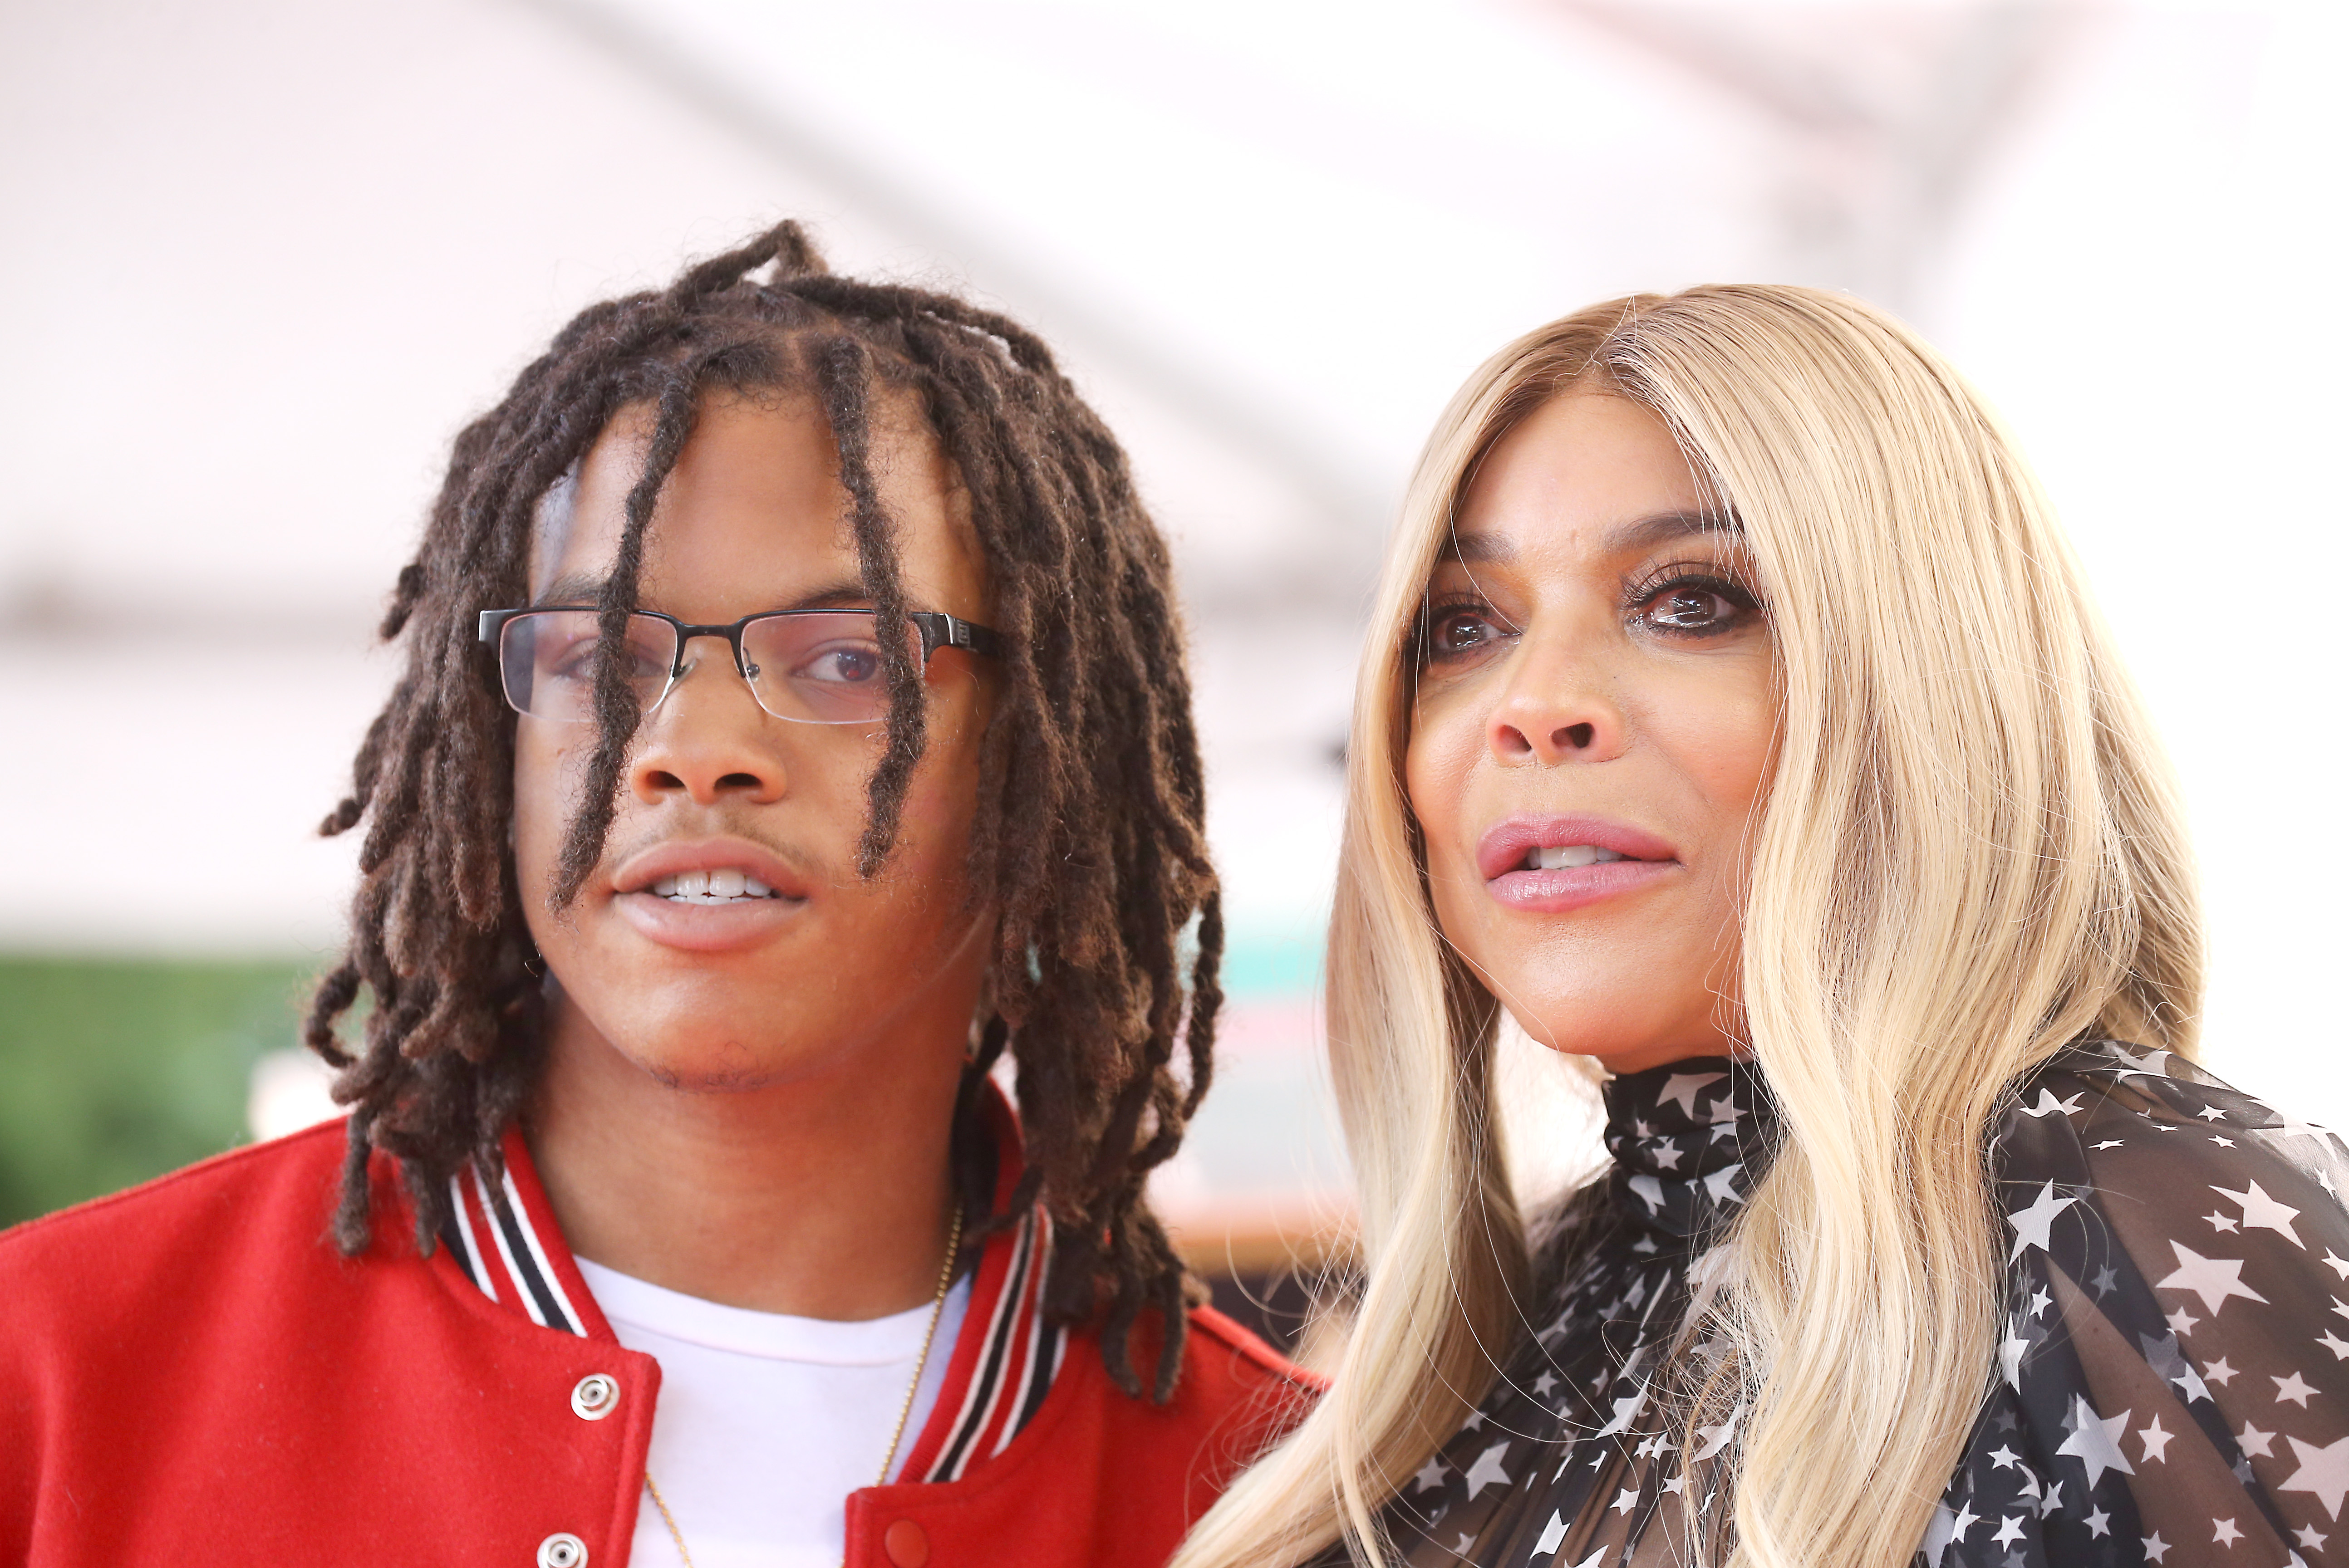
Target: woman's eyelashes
(1688,599)
(1456,628)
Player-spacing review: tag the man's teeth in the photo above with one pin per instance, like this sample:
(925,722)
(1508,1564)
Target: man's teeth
(1562,857)
(726,885)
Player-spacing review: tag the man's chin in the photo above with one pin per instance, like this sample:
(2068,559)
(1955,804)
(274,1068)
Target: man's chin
(725,1074)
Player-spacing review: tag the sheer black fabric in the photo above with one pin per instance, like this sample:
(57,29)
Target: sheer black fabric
(2171,1382)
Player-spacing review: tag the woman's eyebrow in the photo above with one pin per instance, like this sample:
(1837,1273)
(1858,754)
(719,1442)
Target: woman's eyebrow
(1479,549)
(1645,533)
(1630,538)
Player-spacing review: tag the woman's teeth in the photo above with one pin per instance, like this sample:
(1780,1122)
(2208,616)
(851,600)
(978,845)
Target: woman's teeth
(725,886)
(1562,857)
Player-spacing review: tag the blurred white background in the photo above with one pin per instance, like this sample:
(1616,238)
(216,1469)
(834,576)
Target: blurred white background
(264,257)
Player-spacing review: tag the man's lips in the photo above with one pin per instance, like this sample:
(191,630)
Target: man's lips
(693,927)
(674,857)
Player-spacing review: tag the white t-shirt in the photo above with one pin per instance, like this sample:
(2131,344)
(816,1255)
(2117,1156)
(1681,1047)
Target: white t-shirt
(766,1423)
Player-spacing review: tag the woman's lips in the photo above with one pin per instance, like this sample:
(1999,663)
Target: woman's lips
(1501,855)
(1571,887)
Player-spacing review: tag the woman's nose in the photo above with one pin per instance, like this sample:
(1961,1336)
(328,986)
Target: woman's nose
(1556,708)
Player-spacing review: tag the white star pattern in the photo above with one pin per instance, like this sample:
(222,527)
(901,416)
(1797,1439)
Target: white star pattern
(2215,1279)
(2109,1269)
(1488,1469)
(2322,1470)
(2262,1211)
(1625,1408)
(2010,1357)
(1715,1438)
(2031,1224)
(2095,1440)
(1682,1089)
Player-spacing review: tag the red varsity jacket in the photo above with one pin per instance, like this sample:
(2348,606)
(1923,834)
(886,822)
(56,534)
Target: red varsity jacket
(190,1375)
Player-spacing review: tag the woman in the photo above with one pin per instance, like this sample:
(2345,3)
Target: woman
(1735,715)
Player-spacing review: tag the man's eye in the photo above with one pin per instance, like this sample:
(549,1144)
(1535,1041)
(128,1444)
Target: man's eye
(843,664)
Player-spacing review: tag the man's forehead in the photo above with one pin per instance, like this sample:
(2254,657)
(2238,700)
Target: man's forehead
(756,493)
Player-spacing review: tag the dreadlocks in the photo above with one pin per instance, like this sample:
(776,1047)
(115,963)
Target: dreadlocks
(1089,837)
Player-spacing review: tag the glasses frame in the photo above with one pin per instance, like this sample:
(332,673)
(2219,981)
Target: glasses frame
(935,627)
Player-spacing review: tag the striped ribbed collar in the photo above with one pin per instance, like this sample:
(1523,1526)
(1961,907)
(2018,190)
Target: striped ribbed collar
(501,1236)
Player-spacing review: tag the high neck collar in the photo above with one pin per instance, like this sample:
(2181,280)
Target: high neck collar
(1689,1140)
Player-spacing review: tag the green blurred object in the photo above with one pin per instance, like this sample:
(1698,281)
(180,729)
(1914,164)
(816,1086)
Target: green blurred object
(113,1070)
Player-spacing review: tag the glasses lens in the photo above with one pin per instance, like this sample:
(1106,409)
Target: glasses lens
(820,666)
(548,660)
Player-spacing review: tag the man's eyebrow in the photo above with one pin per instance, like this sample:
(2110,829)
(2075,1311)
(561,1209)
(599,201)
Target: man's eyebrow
(570,588)
(581,588)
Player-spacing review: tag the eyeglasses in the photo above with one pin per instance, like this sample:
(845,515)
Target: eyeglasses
(809,666)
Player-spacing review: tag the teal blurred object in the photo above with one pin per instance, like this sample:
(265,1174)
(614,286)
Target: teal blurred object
(114,1070)
(1269,962)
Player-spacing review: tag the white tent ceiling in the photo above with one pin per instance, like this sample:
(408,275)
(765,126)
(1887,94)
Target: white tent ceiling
(266,255)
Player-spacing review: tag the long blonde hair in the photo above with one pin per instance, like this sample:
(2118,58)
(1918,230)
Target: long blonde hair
(1970,853)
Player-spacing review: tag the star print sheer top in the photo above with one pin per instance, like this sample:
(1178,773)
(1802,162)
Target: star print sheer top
(2171,1385)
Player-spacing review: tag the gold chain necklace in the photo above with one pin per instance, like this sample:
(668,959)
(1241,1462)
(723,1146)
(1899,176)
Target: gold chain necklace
(904,1409)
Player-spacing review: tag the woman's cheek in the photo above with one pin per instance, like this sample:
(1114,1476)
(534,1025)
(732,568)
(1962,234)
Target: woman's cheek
(1437,771)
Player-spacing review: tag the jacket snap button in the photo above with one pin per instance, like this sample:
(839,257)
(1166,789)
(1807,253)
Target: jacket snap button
(906,1545)
(594,1397)
(562,1550)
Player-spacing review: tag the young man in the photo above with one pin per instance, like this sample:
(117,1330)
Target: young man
(794,722)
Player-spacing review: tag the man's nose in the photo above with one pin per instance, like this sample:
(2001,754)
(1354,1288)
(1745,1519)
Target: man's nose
(708,741)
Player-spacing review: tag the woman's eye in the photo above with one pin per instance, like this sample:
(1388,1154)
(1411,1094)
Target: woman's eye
(1455,632)
(1692,607)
